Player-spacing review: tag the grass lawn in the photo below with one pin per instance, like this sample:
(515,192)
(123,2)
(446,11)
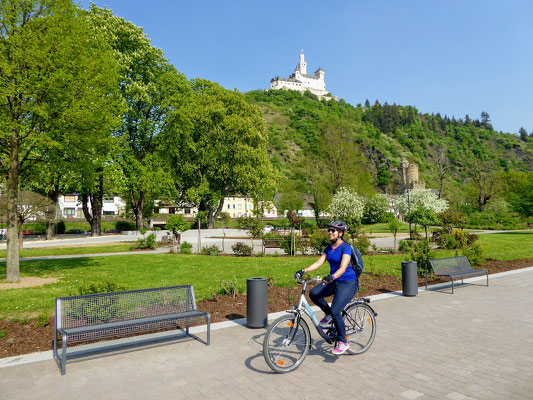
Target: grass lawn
(204,272)
(66,250)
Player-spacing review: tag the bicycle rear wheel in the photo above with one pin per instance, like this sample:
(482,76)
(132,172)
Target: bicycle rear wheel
(360,327)
(286,344)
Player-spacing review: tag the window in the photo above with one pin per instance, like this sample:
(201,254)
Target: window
(69,211)
(234,206)
(187,211)
(109,199)
(229,206)
(70,199)
(105,212)
(240,206)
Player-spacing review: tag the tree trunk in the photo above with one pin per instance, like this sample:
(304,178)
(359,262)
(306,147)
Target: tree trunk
(13,267)
(394,248)
(21,236)
(85,207)
(50,216)
(138,208)
(96,205)
(212,216)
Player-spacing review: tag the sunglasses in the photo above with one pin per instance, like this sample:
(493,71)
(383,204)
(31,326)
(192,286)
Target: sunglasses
(332,230)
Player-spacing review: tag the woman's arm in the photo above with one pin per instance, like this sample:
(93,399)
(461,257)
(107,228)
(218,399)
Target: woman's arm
(346,258)
(317,264)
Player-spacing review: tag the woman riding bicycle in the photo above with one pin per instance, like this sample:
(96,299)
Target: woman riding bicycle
(341,283)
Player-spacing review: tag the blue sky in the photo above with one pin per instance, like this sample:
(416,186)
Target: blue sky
(455,57)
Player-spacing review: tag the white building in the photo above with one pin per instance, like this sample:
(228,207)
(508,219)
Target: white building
(235,206)
(301,81)
(70,206)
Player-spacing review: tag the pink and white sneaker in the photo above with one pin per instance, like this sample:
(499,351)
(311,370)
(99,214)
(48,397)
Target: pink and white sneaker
(341,348)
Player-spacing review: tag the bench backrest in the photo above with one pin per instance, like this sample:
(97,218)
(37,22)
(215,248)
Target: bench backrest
(93,309)
(445,266)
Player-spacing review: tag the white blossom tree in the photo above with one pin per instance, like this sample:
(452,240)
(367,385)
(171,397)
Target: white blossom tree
(348,206)
(375,208)
(420,197)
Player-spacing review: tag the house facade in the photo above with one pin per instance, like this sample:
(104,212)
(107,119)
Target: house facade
(70,206)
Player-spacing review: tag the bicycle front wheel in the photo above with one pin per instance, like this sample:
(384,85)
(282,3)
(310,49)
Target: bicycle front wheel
(360,327)
(286,343)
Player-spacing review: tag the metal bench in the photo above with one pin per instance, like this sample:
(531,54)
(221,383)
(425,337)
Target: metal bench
(455,268)
(272,243)
(120,317)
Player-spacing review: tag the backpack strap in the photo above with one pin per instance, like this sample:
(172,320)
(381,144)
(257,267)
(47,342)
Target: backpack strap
(351,258)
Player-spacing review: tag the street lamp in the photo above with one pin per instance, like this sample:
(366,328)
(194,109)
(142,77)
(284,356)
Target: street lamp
(409,212)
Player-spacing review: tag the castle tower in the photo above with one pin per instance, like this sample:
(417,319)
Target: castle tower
(302,65)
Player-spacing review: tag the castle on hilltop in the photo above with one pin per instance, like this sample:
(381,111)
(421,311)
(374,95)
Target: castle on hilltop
(302,82)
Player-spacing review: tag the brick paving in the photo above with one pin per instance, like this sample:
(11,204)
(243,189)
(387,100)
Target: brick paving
(475,344)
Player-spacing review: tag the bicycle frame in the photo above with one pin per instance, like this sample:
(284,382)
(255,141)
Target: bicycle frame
(303,306)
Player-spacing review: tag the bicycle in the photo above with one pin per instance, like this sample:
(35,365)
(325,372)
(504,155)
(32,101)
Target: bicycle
(288,339)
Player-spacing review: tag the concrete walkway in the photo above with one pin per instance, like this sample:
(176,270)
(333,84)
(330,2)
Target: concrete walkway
(477,343)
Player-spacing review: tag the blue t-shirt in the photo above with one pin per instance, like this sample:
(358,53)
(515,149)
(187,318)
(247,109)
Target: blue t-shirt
(334,258)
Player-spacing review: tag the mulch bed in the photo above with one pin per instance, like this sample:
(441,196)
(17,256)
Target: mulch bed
(19,338)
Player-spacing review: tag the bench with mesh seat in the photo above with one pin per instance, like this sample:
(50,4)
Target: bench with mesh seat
(455,268)
(95,323)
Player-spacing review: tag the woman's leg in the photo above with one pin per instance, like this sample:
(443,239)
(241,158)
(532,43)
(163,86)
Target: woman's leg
(318,293)
(344,292)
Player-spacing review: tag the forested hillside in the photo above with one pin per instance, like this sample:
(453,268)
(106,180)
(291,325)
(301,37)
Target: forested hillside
(322,145)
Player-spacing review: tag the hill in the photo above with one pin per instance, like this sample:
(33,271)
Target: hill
(362,146)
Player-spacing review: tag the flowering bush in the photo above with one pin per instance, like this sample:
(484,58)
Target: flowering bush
(347,205)
(375,208)
(419,197)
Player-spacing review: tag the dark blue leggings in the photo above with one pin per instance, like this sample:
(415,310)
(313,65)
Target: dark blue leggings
(342,293)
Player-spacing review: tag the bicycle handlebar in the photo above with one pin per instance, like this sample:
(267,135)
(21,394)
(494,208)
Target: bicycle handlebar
(300,280)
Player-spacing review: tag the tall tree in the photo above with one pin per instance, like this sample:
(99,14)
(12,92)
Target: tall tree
(146,81)
(523,134)
(56,73)
(486,182)
(220,151)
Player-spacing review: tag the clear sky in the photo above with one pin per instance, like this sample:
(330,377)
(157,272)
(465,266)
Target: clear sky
(455,57)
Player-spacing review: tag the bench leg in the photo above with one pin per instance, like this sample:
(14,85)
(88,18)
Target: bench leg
(487,278)
(452,285)
(208,330)
(64,354)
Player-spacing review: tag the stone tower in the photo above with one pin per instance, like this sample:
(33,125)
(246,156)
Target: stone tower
(409,176)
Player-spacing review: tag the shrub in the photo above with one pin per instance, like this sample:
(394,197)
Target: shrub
(474,254)
(406,245)
(229,287)
(125,225)
(422,253)
(211,250)
(447,241)
(148,243)
(452,219)
(186,248)
(59,227)
(100,287)
(240,249)
(318,241)
(105,310)
(362,243)
(42,320)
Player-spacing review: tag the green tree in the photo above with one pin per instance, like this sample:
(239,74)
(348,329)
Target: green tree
(423,216)
(147,80)
(394,226)
(57,80)
(176,224)
(523,134)
(519,192)
(375,208)
(217,148)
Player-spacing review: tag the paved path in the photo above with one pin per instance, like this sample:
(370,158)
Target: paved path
(477,343)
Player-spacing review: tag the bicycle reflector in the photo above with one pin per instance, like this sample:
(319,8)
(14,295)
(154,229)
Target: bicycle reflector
(290,323)
(280,362)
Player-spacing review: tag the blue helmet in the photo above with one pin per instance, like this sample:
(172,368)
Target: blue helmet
(339,225)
